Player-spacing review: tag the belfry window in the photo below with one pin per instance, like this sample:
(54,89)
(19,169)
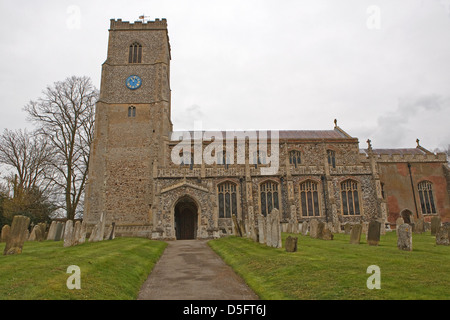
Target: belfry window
(268,197)
(131,112)
(295,157)
(309,197)
(426,197)
(135,53)
(331,158)
(350,198)
(227,199)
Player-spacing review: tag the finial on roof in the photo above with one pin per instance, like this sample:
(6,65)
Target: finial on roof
(335,122)
(369,144)
(417,140)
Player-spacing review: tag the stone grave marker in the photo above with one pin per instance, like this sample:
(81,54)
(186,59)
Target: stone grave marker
(404,237)
(419,226)
(17,235)
(5,232)
(68,234)
(304,228)
(373,234)
(355,234)
(313,224)
(442,235)
(261,228)
(435,224)
(59,232)
(291,244)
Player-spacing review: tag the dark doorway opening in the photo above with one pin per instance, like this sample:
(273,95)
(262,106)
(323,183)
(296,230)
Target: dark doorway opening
(185,219)
(407,216)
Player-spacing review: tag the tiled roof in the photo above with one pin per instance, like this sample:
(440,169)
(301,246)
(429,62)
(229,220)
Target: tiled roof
(288,134)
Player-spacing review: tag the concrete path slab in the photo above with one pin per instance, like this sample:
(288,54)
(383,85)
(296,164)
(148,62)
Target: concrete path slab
(191,270)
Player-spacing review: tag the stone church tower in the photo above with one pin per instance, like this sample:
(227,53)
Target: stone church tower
(132,123)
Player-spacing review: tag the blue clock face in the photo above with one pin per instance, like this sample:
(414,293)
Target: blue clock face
(133,82)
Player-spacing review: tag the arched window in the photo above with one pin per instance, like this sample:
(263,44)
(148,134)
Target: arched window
(331,158)
(223,158)
(131,112)
(309,197)
(350,198)
(135,53)
(426,197)
(227,199)
(187,158)
(295,157)
(268,197)
(259,157)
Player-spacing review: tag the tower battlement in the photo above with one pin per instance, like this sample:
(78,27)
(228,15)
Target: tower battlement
(157,24)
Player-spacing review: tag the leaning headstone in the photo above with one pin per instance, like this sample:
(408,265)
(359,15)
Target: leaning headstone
(68,234)
(261,229)
(435,224)
(35,234)
(313,224)
(17,234)
(355,234)
(404,237)
(112,234)
(5,232)
(93,235)
(373,234)
(419,226)
(237,229)
(326,233)
(291,244)
(442,235)
(52,231)
(320,228)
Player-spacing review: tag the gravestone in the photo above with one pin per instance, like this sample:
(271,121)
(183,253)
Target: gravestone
(442,235)
(17,235)
(82,238)
(59,233)
(435,224)
(112,235)
(274,229)
(373,234)
(419,226)
(291,244)
(251,225)
(399,222)
(404,237)
(237,229)
(5,232)
(313,225)
(320,228)
(304,228)
(68,234)
(52,231)
(76,233)
(35,234)
(93,235)
(261,229)
(326,233)
(347,228)
(355,234)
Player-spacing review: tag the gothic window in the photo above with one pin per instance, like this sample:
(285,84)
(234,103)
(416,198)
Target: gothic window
(295,157)
(268,197)
(187,158)
(426,197)
(259,157)
(135,53)
(309,197)
(350,198)
(131,112)
(331,158)
(223,158)
(227,199)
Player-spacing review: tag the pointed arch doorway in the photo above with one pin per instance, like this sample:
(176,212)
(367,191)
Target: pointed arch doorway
(186,216)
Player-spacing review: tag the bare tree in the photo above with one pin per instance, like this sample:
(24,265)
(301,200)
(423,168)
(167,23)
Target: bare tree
(65,116)
(30,156)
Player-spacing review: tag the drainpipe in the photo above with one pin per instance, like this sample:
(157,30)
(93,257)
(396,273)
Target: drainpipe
(412,188)
(322,177)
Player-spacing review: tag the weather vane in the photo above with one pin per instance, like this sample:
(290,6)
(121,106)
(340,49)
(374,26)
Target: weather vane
(143,17)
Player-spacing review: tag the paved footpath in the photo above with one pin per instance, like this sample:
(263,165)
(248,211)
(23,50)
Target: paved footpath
(191,270)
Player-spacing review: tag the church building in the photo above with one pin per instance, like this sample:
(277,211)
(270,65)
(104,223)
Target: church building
(153,182)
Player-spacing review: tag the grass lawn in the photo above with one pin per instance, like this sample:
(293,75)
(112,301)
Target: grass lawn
(113,269)
(332,270)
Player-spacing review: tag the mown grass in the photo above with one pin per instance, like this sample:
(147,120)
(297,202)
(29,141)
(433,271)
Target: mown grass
(337,270)
(110,270)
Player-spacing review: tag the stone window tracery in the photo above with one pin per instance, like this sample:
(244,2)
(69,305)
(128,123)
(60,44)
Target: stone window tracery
(295,157)
(309,198)
(427,205)
(227,199)
(135,53)
(350,198)
(268,197)
(131,112)
(331,154)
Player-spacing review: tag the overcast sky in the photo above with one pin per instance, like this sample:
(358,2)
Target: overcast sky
(382,68)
